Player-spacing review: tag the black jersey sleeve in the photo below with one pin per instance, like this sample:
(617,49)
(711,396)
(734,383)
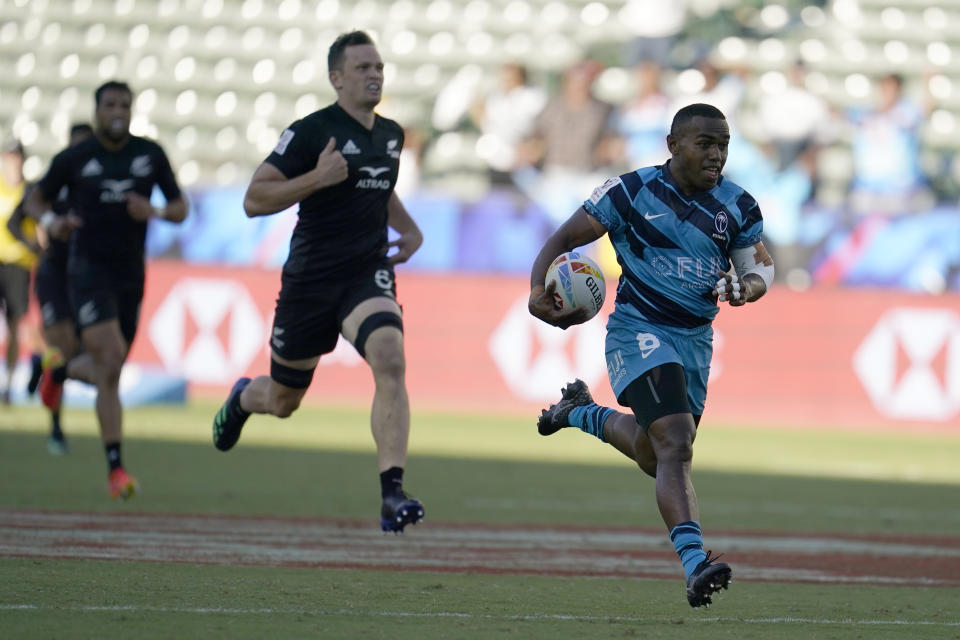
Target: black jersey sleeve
(56,177)
(297,149)
(165,178)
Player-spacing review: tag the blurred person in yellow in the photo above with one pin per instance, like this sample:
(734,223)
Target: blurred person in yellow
(18,254)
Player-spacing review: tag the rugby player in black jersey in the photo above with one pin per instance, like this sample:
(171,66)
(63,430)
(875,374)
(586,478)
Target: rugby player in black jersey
(340,164)
(110,178)
(56,314)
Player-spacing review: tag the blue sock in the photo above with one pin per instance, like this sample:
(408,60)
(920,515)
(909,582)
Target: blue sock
(688,541)
(589,419)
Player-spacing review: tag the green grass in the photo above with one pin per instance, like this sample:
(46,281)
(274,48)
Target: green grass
(104,599)
(492,469)
(822,451)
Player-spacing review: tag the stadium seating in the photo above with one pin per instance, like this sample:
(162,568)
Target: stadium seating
(248,66)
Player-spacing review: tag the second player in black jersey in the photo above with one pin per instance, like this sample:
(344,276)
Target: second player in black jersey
(56,313)
(340,164)
(110,178)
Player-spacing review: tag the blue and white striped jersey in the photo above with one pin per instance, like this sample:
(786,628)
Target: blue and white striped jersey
(670,246)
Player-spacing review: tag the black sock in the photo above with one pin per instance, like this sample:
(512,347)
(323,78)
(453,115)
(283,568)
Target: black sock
(59,374)
(113,455)
(391,481)
(55,430)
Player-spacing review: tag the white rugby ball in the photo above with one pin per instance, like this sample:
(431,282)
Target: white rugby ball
(579,283)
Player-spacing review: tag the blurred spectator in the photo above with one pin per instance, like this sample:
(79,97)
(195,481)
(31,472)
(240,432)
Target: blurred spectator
(643,122)
(656,25)
(561,161)
(411,157)
(16,257)
(794,120)
(724,89)
(887,177)
(505,118)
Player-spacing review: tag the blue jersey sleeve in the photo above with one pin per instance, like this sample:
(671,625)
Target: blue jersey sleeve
(751,227)
(602,204)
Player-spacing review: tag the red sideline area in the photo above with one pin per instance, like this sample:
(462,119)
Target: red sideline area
(470,548)
(858,358)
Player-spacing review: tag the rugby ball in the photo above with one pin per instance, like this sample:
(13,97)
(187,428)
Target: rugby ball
(579,283)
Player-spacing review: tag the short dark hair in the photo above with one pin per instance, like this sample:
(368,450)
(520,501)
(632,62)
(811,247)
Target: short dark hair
(109,86)
(689,112)
(344,40)
(80,127)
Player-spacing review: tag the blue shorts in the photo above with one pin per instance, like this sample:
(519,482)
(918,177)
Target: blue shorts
(635,346)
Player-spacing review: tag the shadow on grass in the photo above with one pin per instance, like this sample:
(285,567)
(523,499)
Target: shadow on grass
(182,477)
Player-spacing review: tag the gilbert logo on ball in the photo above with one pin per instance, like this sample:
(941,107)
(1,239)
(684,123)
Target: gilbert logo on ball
(579,283)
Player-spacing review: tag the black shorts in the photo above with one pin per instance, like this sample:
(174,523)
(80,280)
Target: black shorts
(659,392)
(14,290)
(98,294)
(306,325)
(50,286)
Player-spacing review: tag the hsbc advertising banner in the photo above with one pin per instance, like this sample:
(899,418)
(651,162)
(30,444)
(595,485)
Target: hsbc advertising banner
(822,357)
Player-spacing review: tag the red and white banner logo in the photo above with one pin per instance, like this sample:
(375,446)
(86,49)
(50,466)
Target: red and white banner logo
(536,360)
(207,329)
(909,364)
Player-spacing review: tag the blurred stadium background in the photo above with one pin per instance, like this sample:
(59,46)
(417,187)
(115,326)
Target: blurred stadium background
(863,327)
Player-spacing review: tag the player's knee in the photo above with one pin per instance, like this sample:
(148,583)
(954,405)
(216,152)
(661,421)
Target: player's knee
(379,335)
(672,438)
(109,364)
(385,354)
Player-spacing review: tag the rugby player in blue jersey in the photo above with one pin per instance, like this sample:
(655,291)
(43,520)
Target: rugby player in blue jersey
(687,239)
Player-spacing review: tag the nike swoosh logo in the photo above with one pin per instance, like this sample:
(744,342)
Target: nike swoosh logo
(647,216)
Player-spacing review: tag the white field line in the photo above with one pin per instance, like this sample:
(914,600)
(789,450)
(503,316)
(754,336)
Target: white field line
(468,616)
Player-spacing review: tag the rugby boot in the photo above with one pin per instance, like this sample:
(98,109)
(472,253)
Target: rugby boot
(575,394)
(229,421)
(121,484)
(398,511)
(51,391)
(708,578)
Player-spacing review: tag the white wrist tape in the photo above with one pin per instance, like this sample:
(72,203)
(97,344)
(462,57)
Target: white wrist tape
(744,263)
(721,289)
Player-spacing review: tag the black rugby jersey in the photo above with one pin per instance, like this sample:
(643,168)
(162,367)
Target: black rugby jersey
(97,180)
(343,226)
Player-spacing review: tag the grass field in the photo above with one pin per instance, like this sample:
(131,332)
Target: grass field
(830,534)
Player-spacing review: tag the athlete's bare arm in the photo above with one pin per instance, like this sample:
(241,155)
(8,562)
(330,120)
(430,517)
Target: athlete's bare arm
(400,221)
(270,191)
(581,228)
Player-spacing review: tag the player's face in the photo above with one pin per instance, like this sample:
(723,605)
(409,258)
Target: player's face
(113,114)
(359,81)
(699,151)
